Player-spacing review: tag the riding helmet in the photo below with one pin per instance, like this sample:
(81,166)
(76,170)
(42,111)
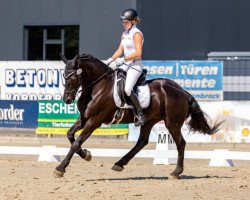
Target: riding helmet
(129,14)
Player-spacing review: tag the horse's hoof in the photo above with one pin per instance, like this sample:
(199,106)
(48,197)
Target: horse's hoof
(175,176)
(85,154)
(117,168)
(88,156)
(58,174)
(176,173)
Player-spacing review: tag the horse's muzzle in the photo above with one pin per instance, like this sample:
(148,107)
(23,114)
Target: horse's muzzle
(68,100)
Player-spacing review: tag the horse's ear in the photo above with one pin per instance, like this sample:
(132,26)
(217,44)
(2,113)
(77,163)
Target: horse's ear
(63,58)
(75,60)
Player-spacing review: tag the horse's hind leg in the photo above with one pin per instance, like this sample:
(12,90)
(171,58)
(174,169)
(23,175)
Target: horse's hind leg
(180,144)
(142,141)
(83,153)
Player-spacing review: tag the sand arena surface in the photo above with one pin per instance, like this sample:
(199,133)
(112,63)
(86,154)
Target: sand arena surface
(22,177)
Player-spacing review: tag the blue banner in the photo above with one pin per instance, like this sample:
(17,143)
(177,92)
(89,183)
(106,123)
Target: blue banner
(18,114)
(203,79)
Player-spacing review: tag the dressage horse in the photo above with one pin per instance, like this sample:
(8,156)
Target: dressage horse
(168,102)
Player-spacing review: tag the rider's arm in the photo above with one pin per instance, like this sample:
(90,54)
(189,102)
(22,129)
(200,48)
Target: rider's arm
(138,47)
(118,52)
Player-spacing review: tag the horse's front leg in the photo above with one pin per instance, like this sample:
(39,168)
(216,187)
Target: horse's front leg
(91,124)
(142,141)
(83,153)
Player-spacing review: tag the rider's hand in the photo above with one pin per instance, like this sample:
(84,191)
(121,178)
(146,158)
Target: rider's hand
(107,62)
(112,65)
(119,61)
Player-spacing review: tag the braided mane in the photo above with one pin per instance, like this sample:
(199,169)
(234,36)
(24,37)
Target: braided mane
(98,63)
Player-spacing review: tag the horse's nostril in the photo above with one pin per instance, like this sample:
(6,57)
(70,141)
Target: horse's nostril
(68,101)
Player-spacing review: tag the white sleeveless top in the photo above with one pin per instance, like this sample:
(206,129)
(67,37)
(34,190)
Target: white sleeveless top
(128,41)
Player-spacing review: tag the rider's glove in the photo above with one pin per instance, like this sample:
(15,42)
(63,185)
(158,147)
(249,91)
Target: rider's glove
(112,65)
(107,62)
(119,61)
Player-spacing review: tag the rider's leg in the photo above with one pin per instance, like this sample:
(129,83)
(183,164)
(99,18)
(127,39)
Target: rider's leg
(133,74)
(134,100)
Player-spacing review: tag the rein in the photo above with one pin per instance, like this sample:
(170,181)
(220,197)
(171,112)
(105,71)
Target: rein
(98,79)
(79,74)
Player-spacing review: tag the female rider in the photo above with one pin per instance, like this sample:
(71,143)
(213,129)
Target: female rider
(131,49)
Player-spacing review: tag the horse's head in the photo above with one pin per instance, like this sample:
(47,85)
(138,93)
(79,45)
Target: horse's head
(72,76)
(84,69)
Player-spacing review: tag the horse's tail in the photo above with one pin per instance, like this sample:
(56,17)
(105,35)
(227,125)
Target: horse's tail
(199,120)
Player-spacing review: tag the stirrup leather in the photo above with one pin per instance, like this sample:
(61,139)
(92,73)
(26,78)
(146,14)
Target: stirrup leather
(140,120)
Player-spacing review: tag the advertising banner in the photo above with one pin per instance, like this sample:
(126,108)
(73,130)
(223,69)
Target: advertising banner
(203,79)
(235,127)
(160,127)
(28,80)
(244,134)
(56,117)
(43,80)
(18,114)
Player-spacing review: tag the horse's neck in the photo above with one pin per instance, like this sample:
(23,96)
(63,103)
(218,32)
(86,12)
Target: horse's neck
(95,72)
(91,77)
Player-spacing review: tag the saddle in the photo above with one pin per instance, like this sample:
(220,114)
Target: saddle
(121,78)
(141,89)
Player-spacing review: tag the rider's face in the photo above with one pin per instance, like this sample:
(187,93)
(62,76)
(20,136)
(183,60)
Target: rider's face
(126,24)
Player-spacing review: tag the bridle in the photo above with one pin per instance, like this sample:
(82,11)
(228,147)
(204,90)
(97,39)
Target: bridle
(66,77)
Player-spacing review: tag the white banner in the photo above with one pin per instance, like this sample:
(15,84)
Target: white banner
(235,127)
(31,80)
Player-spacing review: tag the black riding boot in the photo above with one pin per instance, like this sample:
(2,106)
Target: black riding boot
(137,106)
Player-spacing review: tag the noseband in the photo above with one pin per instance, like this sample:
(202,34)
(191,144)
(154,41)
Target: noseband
(70,73)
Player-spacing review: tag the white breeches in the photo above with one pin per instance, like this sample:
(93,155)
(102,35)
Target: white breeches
(133,72)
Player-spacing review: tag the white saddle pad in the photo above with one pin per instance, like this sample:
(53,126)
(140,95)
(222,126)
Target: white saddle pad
(143,96)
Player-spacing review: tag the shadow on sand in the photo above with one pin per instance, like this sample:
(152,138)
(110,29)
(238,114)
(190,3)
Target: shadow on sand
(141,178)
(205,177)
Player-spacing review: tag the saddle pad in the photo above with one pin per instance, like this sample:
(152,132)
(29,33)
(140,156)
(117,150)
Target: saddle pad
(143,96)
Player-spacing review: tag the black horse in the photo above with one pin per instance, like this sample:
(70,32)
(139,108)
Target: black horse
(169,102)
